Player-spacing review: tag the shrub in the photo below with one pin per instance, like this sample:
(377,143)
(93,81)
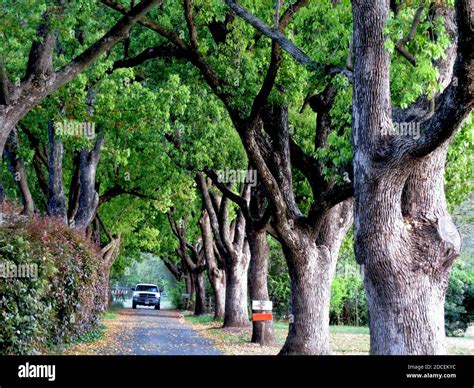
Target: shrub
(459,305)
(174,292)
(66,298)
(348,304)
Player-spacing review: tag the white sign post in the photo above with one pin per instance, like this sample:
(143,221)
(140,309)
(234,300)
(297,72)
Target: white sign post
(261,306)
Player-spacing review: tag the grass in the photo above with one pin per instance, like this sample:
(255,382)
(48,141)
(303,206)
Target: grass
(90,336)
(349,329)
(206,318)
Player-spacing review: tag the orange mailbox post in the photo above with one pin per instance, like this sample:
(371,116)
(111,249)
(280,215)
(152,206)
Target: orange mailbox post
(261,311)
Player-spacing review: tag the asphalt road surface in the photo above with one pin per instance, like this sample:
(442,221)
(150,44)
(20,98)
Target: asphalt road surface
(146,331)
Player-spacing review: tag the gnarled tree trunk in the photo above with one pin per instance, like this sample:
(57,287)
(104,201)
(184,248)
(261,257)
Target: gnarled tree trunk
(404,236)
(311,265)
(234,251)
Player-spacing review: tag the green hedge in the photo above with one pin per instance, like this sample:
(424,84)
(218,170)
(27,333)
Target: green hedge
(64,301)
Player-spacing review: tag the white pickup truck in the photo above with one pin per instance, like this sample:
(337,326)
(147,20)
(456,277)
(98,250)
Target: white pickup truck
(146,295)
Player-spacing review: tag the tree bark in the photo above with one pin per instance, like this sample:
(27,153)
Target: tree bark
(215,272)
(311,265)
(236,307)
(19,173)
(234,251)
(262,331)
(88,197)
(200,307)
(56,198)
(309,317)
(404,236)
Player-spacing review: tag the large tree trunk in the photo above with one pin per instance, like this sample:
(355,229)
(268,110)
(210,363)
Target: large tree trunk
(88,197)
(200,281)
(234,251)
(404,236)
(219,287)
(236,307)
(262,331)
(309,269)
(215,273)
(406,271)
(56,197)
(312,265)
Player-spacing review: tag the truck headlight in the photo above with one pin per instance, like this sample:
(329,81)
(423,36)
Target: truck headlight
(135,294)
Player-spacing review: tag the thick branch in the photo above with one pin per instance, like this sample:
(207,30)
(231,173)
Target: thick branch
(118,32)
(188,14)
(457,100)
(328,200)
(237,199)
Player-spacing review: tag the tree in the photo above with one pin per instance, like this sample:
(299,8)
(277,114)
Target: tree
(196,263)
(233,247)
(215,266)
(404,236)
(257,216)
(40,78)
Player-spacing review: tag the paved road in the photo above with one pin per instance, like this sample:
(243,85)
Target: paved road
(146,331)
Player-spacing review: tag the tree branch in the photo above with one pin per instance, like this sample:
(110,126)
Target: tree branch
(276,58)
(457,100)
(400,44)
(274,34)
(237,199)
(188,14)
(40,60)
(171,36)
(327,200)
(118,32)
(104,227)
(162,51)
(208,205)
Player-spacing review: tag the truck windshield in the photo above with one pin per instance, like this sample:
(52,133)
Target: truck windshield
(147,288)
